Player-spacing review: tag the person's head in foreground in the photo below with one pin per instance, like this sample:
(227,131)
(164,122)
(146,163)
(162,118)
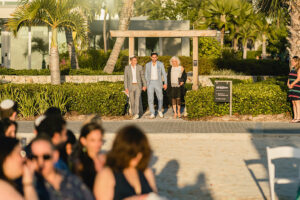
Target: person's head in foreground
(13,166)
(130,149)
(8,109)
(10,128)
(44,155)
(127,162)
(55,127)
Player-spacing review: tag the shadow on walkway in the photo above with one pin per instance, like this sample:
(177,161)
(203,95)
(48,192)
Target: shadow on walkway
(167,183)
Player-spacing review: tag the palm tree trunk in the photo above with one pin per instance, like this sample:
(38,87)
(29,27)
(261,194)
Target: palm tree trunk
(294,29)
(104,31)
(222,37)
(71,49)
(264,46)
(108,33)
(245,50)
(235,44)
(123,25)
(54,59)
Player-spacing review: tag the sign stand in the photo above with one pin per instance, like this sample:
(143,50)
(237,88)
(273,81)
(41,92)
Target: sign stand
(223,93)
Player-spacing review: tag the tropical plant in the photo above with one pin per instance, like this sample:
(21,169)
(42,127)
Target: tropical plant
(263,32)
(218,15)
(123,26)
(57,15)
(39,45)
(247,32)
(273,7)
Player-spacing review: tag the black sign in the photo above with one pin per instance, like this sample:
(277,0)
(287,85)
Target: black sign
(195,63)
(222,91)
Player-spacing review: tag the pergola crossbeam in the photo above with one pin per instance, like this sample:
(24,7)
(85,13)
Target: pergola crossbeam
(171,33)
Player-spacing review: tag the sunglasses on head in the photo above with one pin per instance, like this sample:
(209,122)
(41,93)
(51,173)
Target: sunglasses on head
(45,157)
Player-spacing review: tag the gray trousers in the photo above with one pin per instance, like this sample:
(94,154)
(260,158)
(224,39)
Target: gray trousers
(134,98)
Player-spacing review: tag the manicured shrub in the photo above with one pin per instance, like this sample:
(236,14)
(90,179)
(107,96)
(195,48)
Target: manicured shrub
(33,99)
(248,99)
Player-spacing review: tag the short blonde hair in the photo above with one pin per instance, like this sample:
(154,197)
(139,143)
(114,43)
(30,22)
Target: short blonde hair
(175,58)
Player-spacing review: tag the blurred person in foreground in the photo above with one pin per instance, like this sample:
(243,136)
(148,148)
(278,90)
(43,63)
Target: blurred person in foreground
(9,109)
(126,175)
(12,167)
(10,128)
(59,183)
(293,84)
(86,158)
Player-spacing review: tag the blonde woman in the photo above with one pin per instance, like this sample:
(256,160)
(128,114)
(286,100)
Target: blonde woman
(176,80)
(294,88)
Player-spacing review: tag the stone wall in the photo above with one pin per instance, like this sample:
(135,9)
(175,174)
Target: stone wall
(203,80)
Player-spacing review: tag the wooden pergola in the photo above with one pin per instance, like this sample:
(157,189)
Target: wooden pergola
(195,34)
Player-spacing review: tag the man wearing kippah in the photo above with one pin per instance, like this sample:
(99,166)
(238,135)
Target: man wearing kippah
(8,109)
(155,70)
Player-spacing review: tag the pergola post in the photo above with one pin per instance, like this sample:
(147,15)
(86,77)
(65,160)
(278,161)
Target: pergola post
(195,64)
(131,47)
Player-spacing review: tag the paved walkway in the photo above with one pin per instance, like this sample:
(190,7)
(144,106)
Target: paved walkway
(180,126)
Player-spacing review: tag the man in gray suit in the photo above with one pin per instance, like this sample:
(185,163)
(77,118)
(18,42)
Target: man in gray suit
(154,72)
(134,82)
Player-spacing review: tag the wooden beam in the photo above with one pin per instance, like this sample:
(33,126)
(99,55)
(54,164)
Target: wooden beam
(195,64)
(169,33)
(131,47)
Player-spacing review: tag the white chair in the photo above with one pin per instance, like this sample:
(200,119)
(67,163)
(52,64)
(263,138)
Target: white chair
(280,152)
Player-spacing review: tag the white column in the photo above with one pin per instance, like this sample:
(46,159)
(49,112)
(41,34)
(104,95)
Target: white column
(142,47)
(160,46)
(29,47)
(185,46)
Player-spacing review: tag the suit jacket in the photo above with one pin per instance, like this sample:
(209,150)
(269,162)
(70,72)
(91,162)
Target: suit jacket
(160,70)
(140,77)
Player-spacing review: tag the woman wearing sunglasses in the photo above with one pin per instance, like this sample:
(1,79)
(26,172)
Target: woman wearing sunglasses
(59,184)
(86,160)
(12,167)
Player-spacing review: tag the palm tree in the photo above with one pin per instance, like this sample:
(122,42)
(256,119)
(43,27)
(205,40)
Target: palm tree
(246,33)
(263,31)
(218,15)
(123,25)
(57,14)
(243,14)
(39,45)
(272,7)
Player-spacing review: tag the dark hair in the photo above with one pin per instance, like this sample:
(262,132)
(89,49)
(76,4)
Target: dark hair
(2,133)
(71,137)
(50,125)
(7,123)
(7,113)
(128,143)
(82,165)
(154,53)
(132,57)
(53,111)
(7,145)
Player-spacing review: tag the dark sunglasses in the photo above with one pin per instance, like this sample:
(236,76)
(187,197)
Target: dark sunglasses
(45,157)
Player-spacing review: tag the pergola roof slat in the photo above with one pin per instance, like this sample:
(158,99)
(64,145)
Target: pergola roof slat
(164,33)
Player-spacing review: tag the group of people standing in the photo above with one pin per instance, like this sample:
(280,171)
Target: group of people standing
(154,79)
(57,166)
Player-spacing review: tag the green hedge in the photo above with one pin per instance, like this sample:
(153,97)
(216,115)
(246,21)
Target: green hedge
(248,99)
(33,99)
